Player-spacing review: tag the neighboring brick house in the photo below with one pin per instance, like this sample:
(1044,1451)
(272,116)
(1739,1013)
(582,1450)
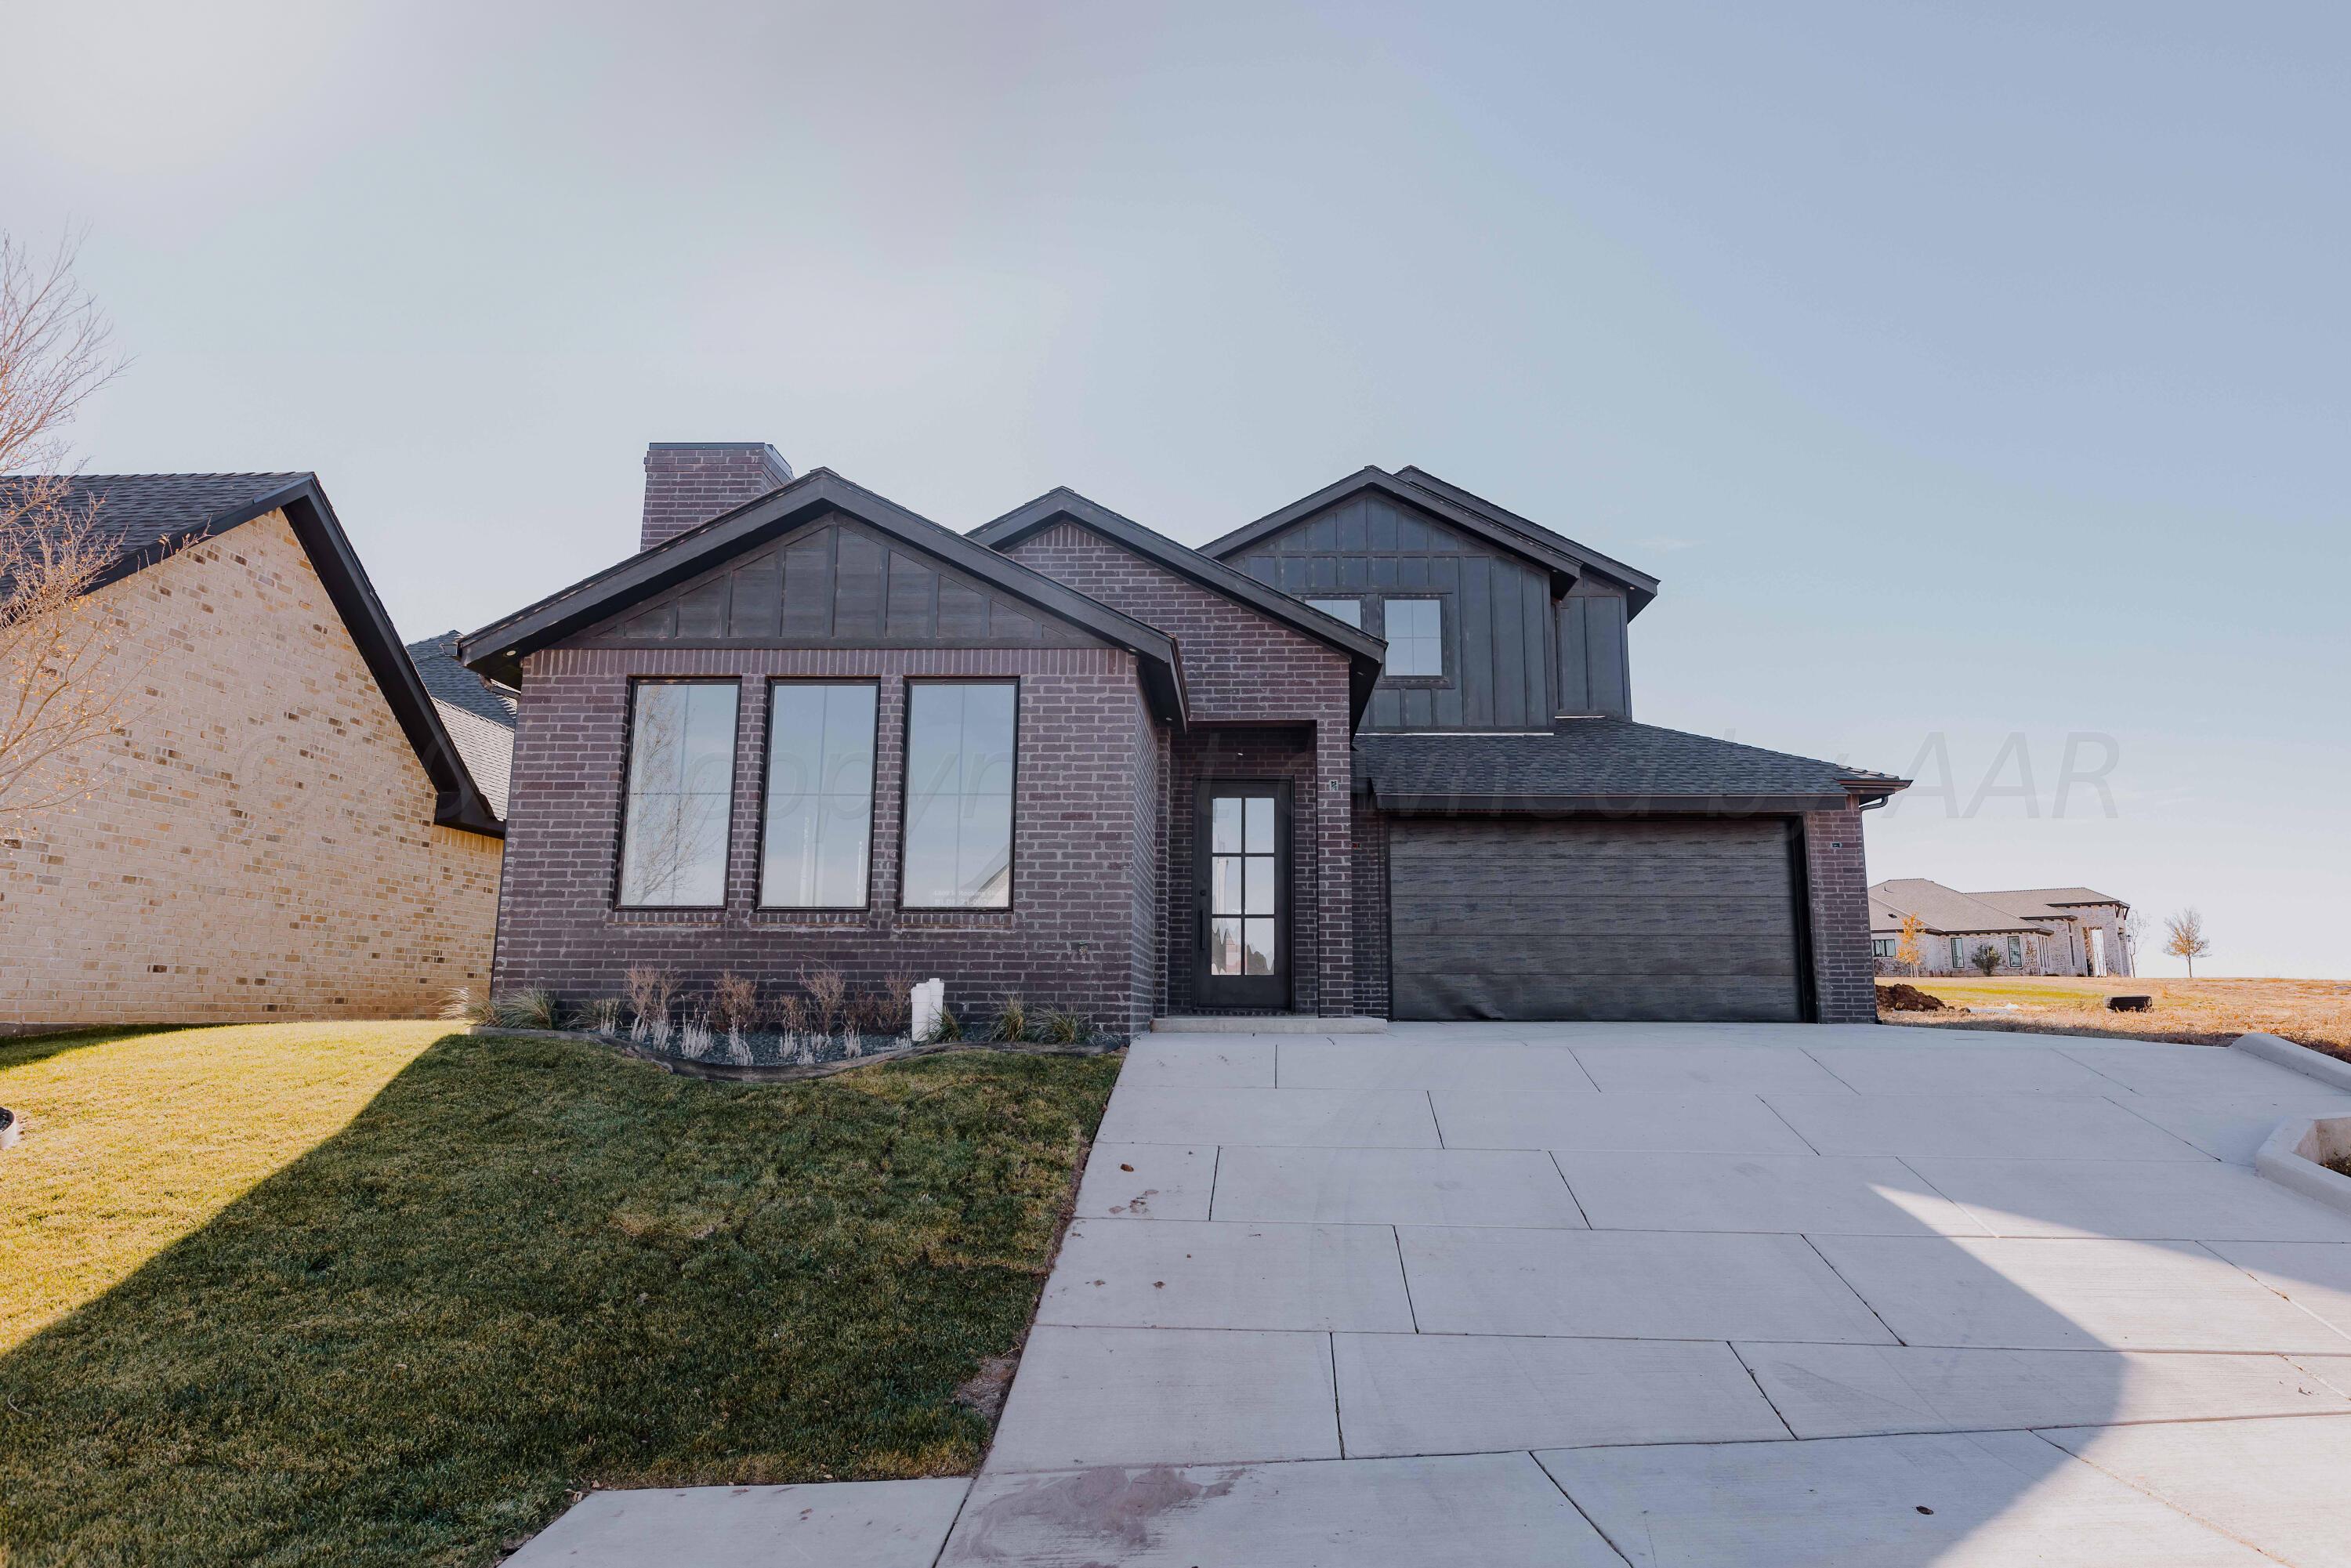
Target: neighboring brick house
(283,826)
(2030,931)
(1370,755)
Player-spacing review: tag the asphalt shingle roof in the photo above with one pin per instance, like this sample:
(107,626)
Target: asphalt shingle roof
(1586,757)
(1943,909)
(454,685)
(140,510)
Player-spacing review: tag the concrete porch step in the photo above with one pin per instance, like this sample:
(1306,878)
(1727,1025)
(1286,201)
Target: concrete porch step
(1271,1023)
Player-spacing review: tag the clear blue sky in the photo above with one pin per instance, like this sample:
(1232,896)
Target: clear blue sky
(1966,372)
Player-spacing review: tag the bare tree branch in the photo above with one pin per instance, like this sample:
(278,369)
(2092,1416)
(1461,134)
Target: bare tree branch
(63,680)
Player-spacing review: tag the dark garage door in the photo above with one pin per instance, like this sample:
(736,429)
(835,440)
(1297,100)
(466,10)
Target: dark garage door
(1574,919)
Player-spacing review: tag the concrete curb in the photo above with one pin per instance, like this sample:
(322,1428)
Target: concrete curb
(2331,1071)
(2292,1155)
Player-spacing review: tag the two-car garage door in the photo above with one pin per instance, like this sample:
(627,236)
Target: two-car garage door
(1494,918)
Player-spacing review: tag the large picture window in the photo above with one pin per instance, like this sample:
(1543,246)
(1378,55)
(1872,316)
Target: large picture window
(1415,637)
(681,787)
(959,771)
(818,835)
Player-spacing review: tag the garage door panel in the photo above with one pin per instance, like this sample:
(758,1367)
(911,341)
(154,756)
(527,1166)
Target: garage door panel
(1446,912)
(1632,998)
(1593,920)
(1569,954)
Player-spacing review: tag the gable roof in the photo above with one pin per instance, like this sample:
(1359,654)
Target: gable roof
(1946,911)
(498,648)
(2046,902)
(147,515)
(1567,561)
(1364,652)
(1602,765)
(479,717)
(1640,586)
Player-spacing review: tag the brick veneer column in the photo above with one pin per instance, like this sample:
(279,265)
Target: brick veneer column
(1241,669)
(1844,979)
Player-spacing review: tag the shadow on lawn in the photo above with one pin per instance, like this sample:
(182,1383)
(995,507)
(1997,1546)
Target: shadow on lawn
(23,1049)
(531,1264)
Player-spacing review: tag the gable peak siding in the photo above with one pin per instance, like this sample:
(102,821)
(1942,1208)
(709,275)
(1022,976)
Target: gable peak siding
(1499,622)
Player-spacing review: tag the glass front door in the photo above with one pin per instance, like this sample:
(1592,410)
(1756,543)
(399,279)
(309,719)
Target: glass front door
(1242,855)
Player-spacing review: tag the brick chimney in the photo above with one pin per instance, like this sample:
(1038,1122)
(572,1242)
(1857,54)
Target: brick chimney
(691,482)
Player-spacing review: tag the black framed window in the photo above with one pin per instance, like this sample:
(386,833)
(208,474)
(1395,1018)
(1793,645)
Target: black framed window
(1415,636)
(681,792)
(1351,611)
(817,843)
(961,760)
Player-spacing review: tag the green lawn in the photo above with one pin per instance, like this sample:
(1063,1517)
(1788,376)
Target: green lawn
(361,1294)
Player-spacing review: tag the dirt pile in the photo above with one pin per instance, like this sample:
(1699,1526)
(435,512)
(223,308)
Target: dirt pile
(1901,999)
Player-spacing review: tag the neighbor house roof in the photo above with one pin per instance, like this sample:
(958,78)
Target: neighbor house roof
(2041,901)
(480,715)
(1364,652)
(1602,765)
(148,516)
(498,648)
(1945,911)
(1567,560)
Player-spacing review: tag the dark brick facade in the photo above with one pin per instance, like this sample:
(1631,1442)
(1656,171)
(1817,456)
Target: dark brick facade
(1087,758)
(1843,981)
(691,482)
(1244,670)
(1103,918)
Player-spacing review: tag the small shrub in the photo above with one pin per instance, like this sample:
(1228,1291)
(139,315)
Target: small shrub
(790,1013)
(1011,1021)
(1060,1026)
(735,1005)
(462,1007)
(651,991)
(695,1038)
(827,993)
(600,1016)
(895,1005)
(949,1028)
(1986,957)
(526,1009)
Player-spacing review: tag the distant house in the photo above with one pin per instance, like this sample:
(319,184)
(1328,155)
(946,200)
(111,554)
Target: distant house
(2030,931)
(292,820)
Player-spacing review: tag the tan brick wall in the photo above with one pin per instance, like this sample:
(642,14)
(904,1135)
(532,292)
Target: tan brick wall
(261,845)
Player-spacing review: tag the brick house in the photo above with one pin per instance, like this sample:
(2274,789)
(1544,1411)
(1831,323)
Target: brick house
(1371,754)
(283,825)
(2030,930)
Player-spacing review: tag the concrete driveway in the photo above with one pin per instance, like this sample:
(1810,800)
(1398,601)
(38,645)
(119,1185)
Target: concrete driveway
(1682,1295)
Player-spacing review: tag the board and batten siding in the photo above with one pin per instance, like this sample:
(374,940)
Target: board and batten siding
(834,584)
(1499,624)
(1593,658)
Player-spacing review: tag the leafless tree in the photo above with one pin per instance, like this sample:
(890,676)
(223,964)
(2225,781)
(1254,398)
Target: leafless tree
(2184,937)
(65,681)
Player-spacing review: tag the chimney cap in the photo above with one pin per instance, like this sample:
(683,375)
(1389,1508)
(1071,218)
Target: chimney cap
(712,446)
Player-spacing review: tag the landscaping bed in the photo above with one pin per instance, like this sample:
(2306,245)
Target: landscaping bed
(416,1291)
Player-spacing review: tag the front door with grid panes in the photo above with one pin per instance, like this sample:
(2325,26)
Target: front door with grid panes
(1243,860)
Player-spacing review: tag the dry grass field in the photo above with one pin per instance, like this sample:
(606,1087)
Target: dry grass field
(2315,1013)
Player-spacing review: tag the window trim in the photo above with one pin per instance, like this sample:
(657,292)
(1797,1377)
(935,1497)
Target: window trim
(1446,664)
(628,755)
(906,797)
(872,798)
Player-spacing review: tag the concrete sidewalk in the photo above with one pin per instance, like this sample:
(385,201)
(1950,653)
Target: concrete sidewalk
(1668,1295)
(1682,1295)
